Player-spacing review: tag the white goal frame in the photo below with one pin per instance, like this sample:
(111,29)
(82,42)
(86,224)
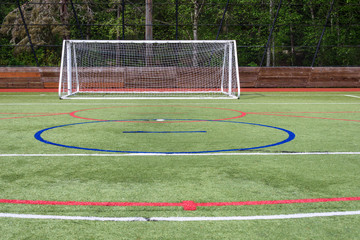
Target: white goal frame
(70,79)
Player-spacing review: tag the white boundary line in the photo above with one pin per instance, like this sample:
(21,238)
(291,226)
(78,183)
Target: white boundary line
(180,219)
(189,103)
(352,96)
(177,154)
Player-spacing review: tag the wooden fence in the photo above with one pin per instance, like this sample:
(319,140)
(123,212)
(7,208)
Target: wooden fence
(250,77)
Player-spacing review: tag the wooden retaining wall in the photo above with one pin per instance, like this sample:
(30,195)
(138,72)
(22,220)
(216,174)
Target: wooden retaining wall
(250,77)
(29,77)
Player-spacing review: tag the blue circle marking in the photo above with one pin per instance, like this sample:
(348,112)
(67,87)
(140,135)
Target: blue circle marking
(291,136)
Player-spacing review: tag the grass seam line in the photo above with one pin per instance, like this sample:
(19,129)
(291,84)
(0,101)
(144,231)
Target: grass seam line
(183,154)
(353,96)
(180,219)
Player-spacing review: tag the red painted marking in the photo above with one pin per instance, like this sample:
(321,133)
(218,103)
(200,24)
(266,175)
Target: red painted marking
(187,205)
(41,115)
(303,112)
(23,113)
(300,89)
(27,90)
(242,90)
(285,115)
(74,113)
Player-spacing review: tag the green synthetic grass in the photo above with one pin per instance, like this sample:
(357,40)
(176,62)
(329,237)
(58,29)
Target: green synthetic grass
(321,126)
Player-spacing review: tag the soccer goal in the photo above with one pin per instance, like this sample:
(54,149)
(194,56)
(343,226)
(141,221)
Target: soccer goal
(92,69)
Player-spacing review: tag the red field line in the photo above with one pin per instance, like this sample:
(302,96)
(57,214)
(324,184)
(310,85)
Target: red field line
(295,116)
(242,90)
(28,90)
(73,114)
(24,113)
(300,112)
(186,205)
(300,90)
(37,115)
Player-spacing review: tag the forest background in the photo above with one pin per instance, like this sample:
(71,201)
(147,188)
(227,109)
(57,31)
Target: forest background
(267,32)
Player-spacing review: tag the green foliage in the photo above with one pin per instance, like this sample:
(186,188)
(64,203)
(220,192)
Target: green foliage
(293,43)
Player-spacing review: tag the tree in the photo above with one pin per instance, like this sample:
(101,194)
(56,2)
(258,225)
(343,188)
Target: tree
(148,20)
(198,6)
(293,43)
(44,27)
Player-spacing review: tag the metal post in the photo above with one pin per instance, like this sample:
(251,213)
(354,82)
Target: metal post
(27,33)
(176,18)
(230,68)
(271,31)
(69,68)
(223,68)
(237,69)
(222,20)
(322,33)
(77,20)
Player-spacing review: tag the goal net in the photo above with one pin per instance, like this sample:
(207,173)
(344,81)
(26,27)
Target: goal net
(148,69)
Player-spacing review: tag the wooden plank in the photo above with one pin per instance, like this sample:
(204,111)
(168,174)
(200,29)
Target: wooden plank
(36,85)
(333,84)
(51,79)
(100,86)
(19,69)
(51,85)
(20,79)
(19,74)
(336,79)
(247,85)
(249,69)
(270,83)
(50,74)
(4,85)
(285,71)
(18,85)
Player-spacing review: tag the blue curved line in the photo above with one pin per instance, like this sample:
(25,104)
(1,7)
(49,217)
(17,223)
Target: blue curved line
(291,136)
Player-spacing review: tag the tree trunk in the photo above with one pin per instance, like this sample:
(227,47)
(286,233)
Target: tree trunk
(196,20)
(148,20)
(198,5)
(292,45)
(312,11)
(148,32)
(64,16)
(118,14)
(197,9)
(268,51)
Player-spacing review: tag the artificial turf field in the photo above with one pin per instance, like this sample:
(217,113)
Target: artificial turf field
(271,165)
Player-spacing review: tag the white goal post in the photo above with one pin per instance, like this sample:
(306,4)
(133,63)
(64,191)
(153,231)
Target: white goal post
(94,69)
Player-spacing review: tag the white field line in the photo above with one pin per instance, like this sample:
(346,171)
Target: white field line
(260,94)
(180,219)
(172,103)
(352,96)
(176,154)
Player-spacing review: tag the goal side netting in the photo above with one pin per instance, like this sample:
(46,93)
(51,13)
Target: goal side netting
(148,69)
